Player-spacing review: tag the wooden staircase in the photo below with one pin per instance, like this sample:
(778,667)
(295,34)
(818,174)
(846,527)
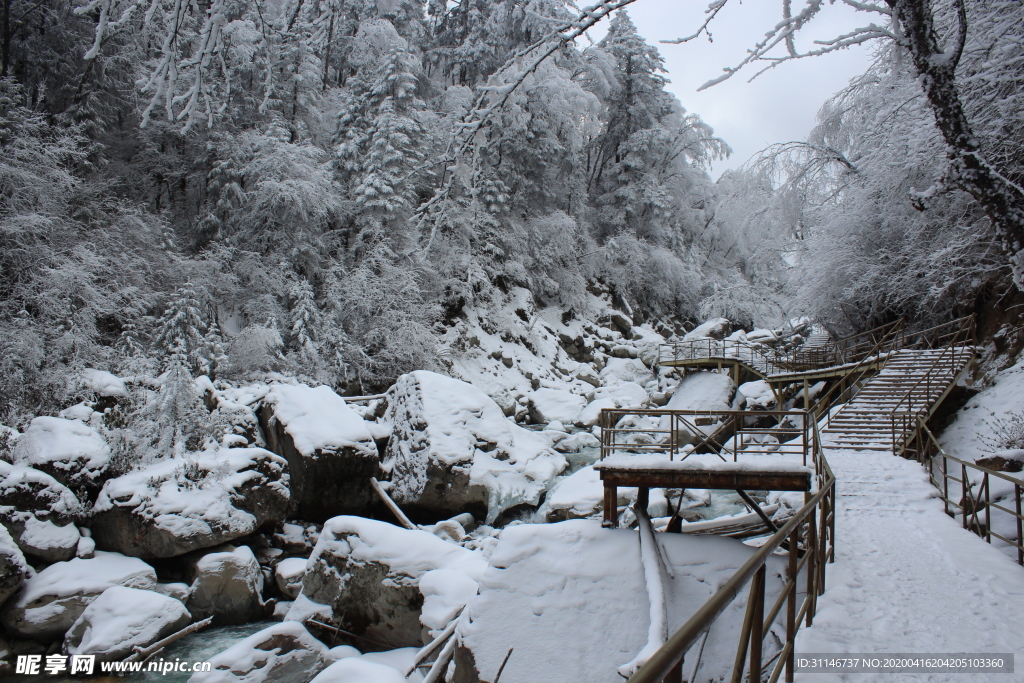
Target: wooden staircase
(881,416)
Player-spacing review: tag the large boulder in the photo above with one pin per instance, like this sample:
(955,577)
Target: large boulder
(121,619)
(359,670)
(454,451)
(388,584)
(70,451)
(548,405)
(282,653)
(13,567)
(183,504)
(39,512)
(331,452)
(619,370)
(716,328)
(52,600)
(227,586)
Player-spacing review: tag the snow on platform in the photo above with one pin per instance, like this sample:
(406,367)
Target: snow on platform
(907,578)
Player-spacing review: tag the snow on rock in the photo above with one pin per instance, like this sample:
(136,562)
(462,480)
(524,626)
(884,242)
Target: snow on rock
(709,391)
(103,383)
(282,653)
(577,442)
(121,619)
(550,405)
(454,451)
(227,586)
(387,583)
(359,670)
(70,451)
(183,504)
(1000,403)
(52,600)
(13,567)
(545,580)
(288,576)
(757,395)
(581,495)
(591,415)
(620,370)
(716,328)
(39,513)
(330,450)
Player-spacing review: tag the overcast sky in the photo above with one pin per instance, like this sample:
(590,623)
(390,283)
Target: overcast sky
(777,106)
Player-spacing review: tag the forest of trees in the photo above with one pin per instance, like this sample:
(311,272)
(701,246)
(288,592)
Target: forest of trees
(317,187)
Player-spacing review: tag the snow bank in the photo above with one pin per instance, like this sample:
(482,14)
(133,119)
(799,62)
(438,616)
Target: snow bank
(1003,400)
(181,504)
(359,670)
(453,449)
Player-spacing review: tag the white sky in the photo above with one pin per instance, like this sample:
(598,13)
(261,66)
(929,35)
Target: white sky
(777,106)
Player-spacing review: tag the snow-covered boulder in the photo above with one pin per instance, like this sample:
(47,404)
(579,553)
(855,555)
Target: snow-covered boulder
(622,395)
(757,395)
(282,653)
(581,495)
(288,576)
(619,370)
(52,600)
(13,567)
(39,513)
(103,383)
(550,405)
(70,451)
(710,391)
(121,619)
(331,452)
(183,504)
(454,451)
(227,586)
(716,328)
(387,583)
(546,580)
(577,442)
(359,670)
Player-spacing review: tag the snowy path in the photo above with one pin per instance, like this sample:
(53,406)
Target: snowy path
(908,579)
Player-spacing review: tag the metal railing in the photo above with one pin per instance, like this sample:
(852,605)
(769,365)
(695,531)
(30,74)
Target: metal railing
(974,486)
(956,339)
(810,534)
(680,433)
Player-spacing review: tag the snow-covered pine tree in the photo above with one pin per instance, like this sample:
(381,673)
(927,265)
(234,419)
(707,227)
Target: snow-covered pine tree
(181,328)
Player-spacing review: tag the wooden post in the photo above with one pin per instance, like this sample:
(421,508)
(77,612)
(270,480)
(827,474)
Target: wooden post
(791,626)
(611,510)
(642,497)
(1020,524)
(757,627)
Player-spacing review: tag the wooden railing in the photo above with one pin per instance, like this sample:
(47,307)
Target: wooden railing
(810,536)
(678,433)
(974,487)
(956,339)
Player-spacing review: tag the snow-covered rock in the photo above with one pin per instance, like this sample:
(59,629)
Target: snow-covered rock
(39,513)
(282,653)
(288,575)
(13,567)
(619,370)
(179,505)
(454,451)
(716,328)
(359,670)
(52,600)
(709,391)
(227,586)
(577,442)
(546,580)
(757,395)
(121,619)
(331,452)
(550,405)
(387,583)
(103,383)
(70,451)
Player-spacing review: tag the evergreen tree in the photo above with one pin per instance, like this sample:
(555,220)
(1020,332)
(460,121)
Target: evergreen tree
(181,328)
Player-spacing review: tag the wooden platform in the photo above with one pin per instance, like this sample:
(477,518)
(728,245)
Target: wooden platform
(726,480)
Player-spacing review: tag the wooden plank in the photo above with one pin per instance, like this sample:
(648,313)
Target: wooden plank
(705,479)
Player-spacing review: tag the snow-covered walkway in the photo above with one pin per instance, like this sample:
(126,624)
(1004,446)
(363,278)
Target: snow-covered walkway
(908,579)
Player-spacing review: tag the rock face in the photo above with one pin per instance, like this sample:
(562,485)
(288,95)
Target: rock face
(122,618)
(387,583)
(70,451)
(39,513)
(52,600)
(227,586)
(330,451)
(185,504)
(13,567)
(454,451)
(282,653)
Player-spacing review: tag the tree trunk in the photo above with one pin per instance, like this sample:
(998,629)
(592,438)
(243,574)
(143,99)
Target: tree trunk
(1002,200)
